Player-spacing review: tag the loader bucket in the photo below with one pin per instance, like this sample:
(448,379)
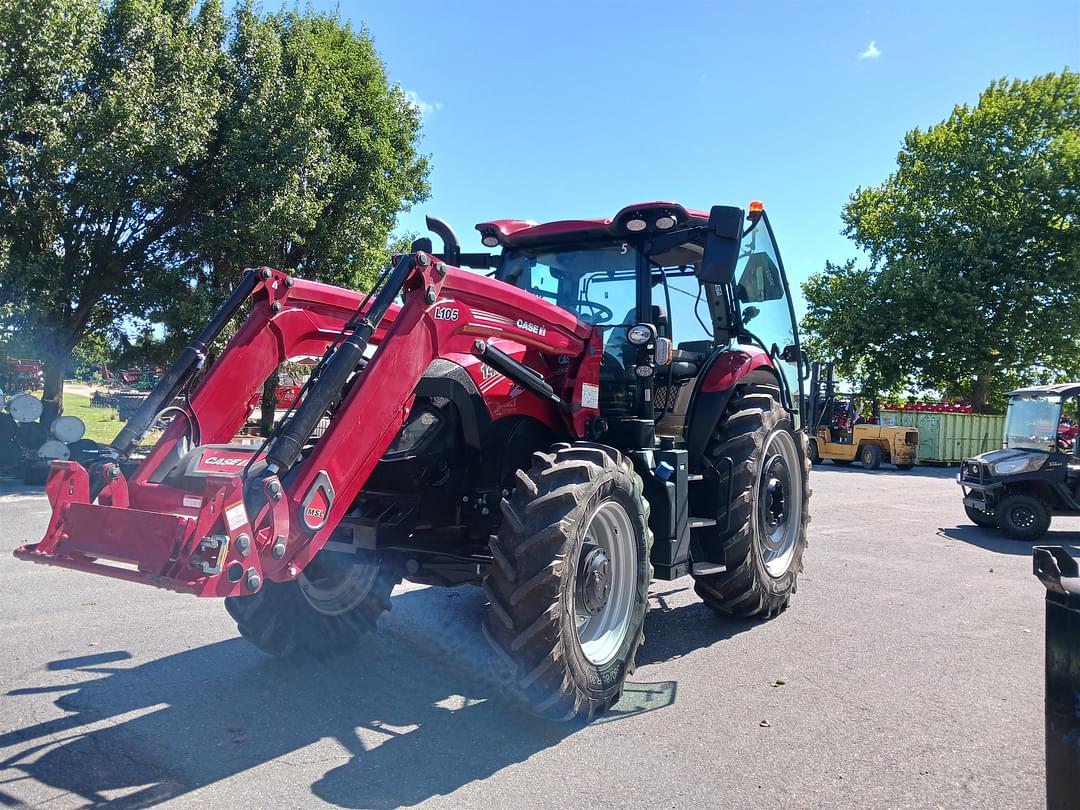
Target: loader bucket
(172,550)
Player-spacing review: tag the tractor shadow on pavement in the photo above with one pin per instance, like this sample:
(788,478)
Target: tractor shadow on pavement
(674,631)
(411,714)
(994,540)
(15,488)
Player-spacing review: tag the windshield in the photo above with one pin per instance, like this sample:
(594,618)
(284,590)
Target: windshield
(596,283)
(1032,423)
(765,306)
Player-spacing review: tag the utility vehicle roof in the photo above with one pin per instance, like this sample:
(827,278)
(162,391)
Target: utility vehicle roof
(1069,389)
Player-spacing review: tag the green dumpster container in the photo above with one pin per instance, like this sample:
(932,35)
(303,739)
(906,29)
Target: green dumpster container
(949,438)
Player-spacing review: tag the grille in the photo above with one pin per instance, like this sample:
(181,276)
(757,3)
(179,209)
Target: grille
(972,472)
(664,397)
(320,428)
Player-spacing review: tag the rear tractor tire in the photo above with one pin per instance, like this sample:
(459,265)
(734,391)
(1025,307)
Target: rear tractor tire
(870,456)
(764,544)
(337,599)
(568,587)
(1023,517)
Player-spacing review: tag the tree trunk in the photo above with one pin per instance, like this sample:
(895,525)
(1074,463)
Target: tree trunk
(269,403)
(981,393)
(52,398)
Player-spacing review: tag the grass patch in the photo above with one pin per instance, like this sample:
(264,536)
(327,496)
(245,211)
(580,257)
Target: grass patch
(102,424)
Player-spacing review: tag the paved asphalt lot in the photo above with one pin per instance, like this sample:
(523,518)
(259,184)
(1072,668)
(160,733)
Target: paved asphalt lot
(911,659)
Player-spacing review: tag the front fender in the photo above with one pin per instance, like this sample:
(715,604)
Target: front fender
(729,366)
(723,372)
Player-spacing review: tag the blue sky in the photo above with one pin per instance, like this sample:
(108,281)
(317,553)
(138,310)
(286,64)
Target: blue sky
(548,110)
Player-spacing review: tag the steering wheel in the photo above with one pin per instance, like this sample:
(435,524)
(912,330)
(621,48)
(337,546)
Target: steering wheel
(601,313)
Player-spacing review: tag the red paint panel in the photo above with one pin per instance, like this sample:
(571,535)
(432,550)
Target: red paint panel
(731,366)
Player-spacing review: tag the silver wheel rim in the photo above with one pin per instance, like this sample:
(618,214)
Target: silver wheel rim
(338,584)
(604,583)
(779,502)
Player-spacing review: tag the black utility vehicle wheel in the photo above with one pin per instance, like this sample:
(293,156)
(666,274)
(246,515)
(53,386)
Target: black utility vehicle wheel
(1023,517)
(338,598)
(870,456)
(980,518)
(770,494)
(815,456)
(569,584)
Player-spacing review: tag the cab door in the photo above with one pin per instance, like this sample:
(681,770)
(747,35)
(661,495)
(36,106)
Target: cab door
(765,310)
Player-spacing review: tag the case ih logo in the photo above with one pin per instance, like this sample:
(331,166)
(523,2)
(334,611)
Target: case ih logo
(220,463)
(531,327)
(223,461)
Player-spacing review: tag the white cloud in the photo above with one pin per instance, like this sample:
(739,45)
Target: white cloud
(425,107)
(871,51)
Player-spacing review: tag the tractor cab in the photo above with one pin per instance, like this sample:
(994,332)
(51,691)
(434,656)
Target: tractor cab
(1037,473)
(640,278)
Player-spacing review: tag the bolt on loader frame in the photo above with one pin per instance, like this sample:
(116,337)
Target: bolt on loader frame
(510,431)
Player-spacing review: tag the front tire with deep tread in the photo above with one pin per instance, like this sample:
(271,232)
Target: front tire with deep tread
(281,619)
(747,588)
(531,620)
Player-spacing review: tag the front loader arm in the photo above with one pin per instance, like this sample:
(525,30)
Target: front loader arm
(249,521)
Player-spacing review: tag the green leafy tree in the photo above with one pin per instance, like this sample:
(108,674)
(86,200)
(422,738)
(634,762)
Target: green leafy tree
(90,355)
(973,281)
(154,148)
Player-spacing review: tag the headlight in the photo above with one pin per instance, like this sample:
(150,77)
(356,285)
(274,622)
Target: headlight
(422,424)
(1022,464)
(640,334)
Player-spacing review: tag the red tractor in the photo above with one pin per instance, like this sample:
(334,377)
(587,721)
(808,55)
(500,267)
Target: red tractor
(621,401)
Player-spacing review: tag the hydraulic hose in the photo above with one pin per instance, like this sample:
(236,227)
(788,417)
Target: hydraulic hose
(286,446)
(182,369)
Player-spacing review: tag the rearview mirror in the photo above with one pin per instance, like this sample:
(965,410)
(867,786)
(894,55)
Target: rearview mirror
(722,240)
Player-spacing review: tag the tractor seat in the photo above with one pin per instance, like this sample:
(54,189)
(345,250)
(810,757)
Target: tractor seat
(685,365)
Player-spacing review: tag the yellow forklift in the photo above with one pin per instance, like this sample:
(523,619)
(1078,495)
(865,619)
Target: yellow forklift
(838,432)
